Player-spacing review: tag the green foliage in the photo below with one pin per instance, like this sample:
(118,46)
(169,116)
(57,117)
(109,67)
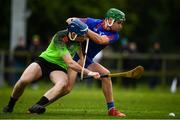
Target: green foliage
(148,21)
(4,24)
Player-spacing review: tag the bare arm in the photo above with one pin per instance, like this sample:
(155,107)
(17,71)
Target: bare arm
(81,56)
(93,36)
(97,38)
(74,65)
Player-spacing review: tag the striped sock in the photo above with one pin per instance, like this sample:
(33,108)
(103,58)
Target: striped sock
(110,105)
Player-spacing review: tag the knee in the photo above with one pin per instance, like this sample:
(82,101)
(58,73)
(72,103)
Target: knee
(107,72)
(106,79)
(61,86)
(67,89)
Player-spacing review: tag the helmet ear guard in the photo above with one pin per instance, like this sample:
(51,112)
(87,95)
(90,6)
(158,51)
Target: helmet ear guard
(109,22)
(115,15)
(70,36)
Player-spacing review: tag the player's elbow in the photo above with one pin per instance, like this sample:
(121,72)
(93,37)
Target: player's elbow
(102,42)
(99,41)
(106,72)
(72,65)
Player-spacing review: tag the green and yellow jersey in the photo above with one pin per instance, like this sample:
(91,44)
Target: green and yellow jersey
(60,46)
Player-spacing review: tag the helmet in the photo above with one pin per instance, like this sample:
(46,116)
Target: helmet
(78,27)
(116,14)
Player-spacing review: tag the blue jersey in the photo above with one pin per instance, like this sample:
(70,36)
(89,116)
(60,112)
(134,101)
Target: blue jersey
(96,25)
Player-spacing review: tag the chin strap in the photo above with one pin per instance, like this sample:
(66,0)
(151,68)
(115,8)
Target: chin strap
(70,37)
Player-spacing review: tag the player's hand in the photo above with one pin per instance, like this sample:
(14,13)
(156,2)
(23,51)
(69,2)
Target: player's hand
(81,24)
(95,75)
(69,20)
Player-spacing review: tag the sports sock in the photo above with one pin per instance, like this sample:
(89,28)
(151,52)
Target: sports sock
(12,102)
(110,105)
(43,101)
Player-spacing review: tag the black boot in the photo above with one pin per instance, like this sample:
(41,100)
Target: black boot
(37,109)
(9,108)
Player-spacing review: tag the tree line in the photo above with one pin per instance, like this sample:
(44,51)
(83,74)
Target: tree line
(147,20)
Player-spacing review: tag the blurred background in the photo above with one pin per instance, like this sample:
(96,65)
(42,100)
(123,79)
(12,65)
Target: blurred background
(150,37)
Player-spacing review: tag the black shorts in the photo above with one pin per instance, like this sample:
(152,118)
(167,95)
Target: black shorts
(47,67)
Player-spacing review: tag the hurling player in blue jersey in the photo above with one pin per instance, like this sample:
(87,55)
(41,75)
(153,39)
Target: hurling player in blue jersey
(102,33)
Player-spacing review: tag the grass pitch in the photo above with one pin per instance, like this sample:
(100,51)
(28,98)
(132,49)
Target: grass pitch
(83,103)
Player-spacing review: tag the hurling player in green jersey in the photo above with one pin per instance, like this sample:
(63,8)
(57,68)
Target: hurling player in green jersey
(56,64)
